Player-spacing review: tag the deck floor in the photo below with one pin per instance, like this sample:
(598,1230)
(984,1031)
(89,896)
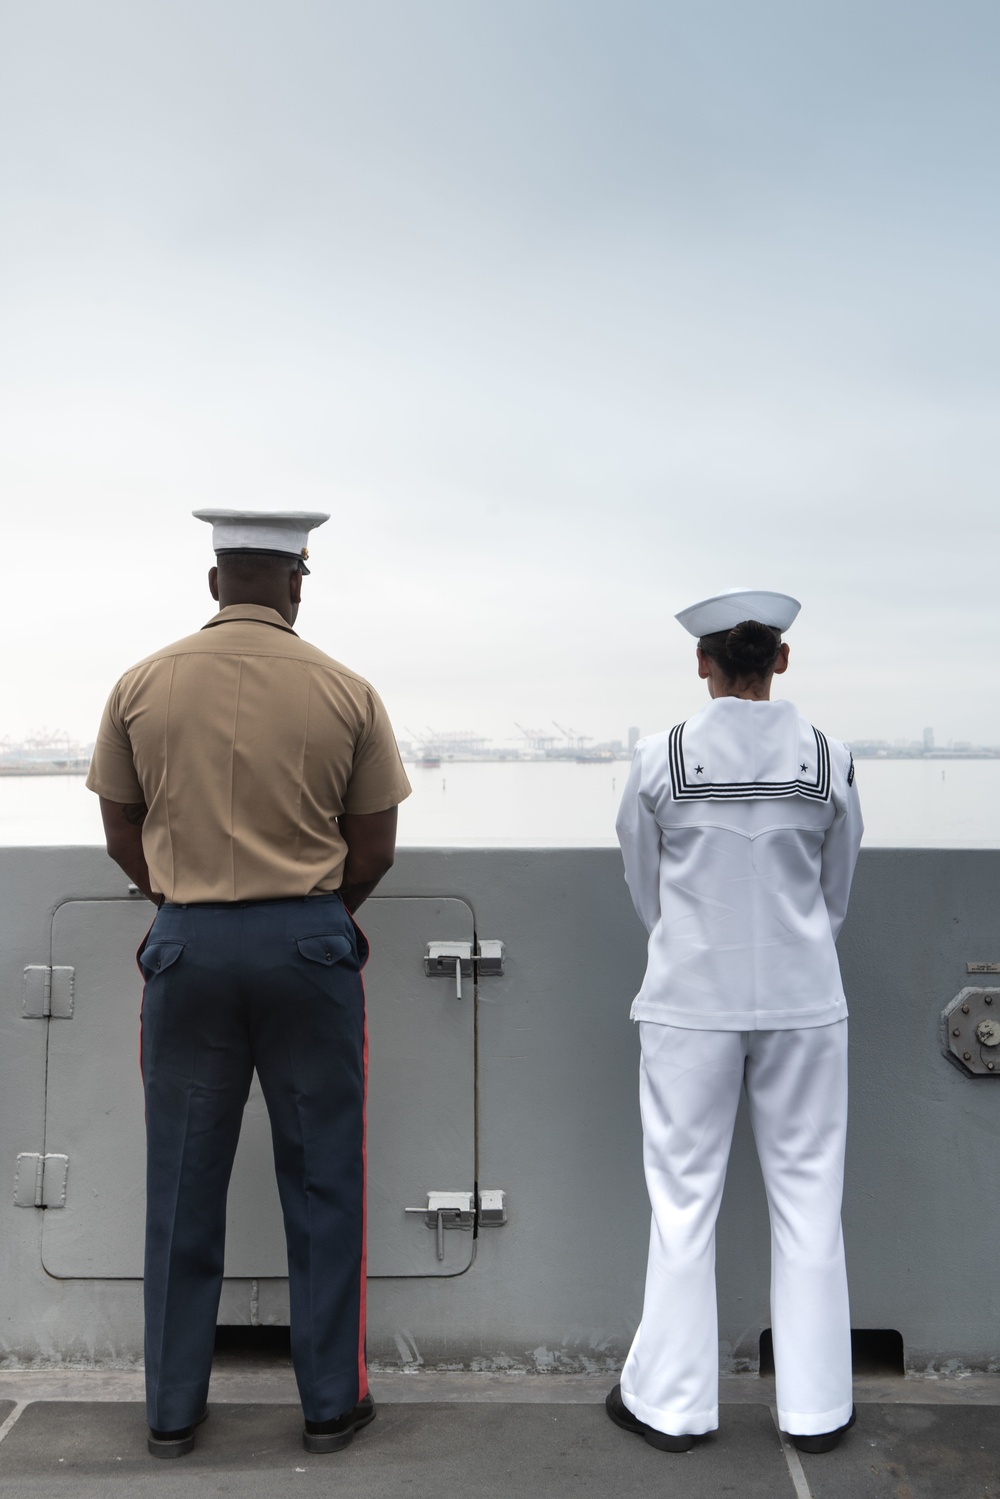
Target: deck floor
(82,1433)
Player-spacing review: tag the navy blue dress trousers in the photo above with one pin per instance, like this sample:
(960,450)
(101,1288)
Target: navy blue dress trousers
(276,986)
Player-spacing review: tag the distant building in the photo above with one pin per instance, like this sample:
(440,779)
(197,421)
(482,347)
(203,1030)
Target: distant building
(928,739)
(633,739)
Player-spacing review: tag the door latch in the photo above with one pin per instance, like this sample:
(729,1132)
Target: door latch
(451,1210)
(442,959)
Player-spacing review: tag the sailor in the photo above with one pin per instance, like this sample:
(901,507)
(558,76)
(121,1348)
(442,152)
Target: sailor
(249,787)
(740,831)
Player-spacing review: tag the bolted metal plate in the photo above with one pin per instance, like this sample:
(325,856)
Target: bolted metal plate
(970,1032)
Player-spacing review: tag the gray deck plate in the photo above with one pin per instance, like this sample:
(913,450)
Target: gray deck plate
(89,1449)
(421,1451)
(912,1452)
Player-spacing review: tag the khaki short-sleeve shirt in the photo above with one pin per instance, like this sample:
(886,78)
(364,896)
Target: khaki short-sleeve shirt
(246,744)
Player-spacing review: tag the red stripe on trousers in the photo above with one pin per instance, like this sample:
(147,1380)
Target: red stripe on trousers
(362,1365)
(142,999)
(363,1297)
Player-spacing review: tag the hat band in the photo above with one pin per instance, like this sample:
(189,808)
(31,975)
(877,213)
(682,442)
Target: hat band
(259,551)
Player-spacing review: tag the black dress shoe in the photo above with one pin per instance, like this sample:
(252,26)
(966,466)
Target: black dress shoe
(824,1441)
(174,1443)
(623,1417)
(330,1436)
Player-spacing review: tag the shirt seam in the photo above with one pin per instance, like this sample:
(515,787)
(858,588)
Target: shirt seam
(232,783)
(302,771)
(166,790)
(727,827)
(324,666)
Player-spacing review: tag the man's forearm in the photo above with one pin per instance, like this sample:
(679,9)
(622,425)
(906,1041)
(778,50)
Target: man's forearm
(371,848)
(123,837)
(137,871)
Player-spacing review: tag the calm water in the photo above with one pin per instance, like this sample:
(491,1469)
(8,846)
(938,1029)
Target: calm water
(907,804)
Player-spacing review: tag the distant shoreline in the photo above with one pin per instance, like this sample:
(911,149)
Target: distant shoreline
(980,754)
(435,762)
(44,768)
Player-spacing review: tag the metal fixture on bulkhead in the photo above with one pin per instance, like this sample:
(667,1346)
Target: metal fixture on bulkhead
(971,1032)
(447,959)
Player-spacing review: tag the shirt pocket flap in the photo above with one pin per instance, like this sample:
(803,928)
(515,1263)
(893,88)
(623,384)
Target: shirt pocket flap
(159,955)
(326,950)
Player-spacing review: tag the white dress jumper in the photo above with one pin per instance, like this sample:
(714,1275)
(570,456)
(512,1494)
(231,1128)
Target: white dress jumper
(740,831)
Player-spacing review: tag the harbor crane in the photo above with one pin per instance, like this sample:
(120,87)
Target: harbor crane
(456,744)
(574,740)
(537,739)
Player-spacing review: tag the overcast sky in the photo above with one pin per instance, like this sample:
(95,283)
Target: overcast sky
(570,313)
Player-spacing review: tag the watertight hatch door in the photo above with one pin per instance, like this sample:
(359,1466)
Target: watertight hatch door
(421,1100)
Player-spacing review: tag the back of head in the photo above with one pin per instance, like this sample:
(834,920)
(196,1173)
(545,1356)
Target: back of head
(747,651)
(255,578)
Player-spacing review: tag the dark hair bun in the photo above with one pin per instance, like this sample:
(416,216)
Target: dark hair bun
(751,648)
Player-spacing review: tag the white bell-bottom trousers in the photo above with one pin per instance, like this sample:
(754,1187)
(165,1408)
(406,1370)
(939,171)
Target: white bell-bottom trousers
(689,1089)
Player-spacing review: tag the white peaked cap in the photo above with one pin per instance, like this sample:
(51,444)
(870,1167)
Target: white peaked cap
(282,531)
(724,610)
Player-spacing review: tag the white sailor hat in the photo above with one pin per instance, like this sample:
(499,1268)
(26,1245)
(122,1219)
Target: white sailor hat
(724,610)
(283,531)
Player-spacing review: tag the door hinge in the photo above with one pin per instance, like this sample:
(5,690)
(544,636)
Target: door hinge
(450,1210)
(40,1181)
(48,992)
(447,959)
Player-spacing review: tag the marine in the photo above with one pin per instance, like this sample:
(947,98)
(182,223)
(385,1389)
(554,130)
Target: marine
(249,786)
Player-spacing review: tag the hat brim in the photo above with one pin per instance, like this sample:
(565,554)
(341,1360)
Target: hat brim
(724,610)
